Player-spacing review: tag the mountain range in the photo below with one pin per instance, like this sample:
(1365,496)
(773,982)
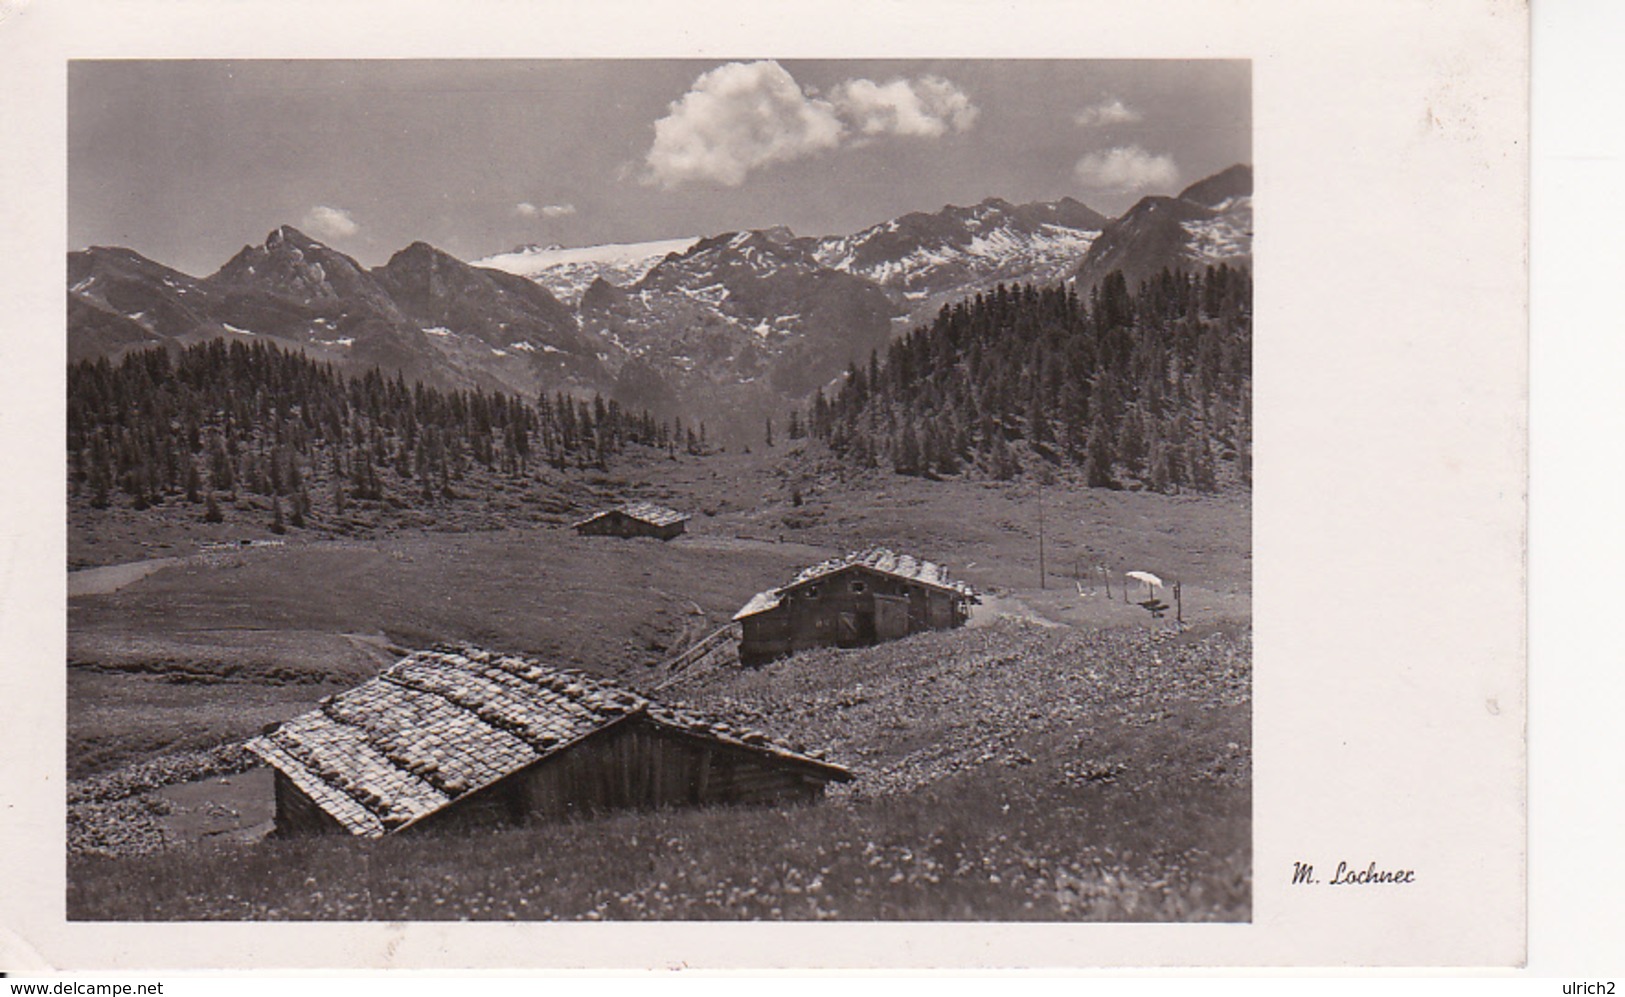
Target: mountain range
(423,314)
(1210,222)
(726,328)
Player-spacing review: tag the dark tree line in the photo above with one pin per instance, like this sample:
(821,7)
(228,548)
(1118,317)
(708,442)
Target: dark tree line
(215,420)
(1151,386)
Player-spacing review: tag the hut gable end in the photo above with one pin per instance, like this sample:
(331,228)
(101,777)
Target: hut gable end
(634,519)
(863,598)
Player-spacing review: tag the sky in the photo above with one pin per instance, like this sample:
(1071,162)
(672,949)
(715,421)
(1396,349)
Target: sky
(185,161)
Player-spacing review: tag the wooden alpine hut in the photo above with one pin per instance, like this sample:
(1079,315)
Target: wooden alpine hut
(634,519)
(466,738)
(864,598)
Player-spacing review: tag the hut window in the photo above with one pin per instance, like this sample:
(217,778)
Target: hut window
(858,587)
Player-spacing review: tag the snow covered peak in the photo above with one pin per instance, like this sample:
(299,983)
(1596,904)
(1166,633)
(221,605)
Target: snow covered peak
(568,272)
(527,261)
(961,248)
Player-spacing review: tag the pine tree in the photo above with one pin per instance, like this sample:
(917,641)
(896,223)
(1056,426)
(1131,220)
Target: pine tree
(1038,431)
(1099,454)
(1161,476)
(907,458)
(1203,478)
(1178,472)
(946,458)
(1004,465)
(99,497)
(138,488)
(1130,450)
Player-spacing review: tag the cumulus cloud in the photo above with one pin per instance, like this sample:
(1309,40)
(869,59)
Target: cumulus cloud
(1110,111)
(743,116)
(734,119)
(926,107)
(525,209)
(1125,168)
(329,223)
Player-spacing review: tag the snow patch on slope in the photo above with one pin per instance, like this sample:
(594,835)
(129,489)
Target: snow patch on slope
(1225,236)
(568,272)
(988,252)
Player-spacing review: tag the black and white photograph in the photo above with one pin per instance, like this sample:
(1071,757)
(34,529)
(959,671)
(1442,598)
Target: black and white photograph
(659,489)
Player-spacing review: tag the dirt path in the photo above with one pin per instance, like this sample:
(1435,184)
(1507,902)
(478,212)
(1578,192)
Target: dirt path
(112,577)
(998,607)
(239,807)
(101,581)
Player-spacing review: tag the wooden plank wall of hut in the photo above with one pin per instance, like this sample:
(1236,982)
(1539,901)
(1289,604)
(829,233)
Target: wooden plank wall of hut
(618,524)
(811,615)
(612,524)
(638,765)
(766,636)
(816,609)
(490,806)
(891,616)
(297,813)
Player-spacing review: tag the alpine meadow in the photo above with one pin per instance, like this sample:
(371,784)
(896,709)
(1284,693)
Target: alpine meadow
(751,541)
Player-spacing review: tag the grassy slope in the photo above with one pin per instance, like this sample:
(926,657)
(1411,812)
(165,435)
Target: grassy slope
(947,729)
(217,646)
(488,501)
(987,531)
(1007,772)
(118,718)
(280,615)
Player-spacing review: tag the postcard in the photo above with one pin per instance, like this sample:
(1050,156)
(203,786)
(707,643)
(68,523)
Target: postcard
(892,486)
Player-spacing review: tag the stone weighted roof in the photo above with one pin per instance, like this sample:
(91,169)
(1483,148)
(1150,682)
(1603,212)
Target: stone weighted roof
(440,724)
(647,512)
(878,559)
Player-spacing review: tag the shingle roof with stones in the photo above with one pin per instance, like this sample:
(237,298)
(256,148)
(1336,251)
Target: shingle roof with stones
(879,559)
(438,725)
(761,602)
(648,512)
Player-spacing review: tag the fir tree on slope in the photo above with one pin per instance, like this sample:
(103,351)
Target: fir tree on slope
(1148,387)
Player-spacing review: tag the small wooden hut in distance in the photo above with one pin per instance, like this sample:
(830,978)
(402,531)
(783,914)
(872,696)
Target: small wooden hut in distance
(462,739)
(634,519)
(853,601)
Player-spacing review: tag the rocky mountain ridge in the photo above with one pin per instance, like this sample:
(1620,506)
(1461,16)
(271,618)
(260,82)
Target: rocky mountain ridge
(1209,223)
(728,328)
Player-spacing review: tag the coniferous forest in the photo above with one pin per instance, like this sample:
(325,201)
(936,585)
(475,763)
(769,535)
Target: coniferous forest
(216,421)
(1150,388)
(1145,389)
